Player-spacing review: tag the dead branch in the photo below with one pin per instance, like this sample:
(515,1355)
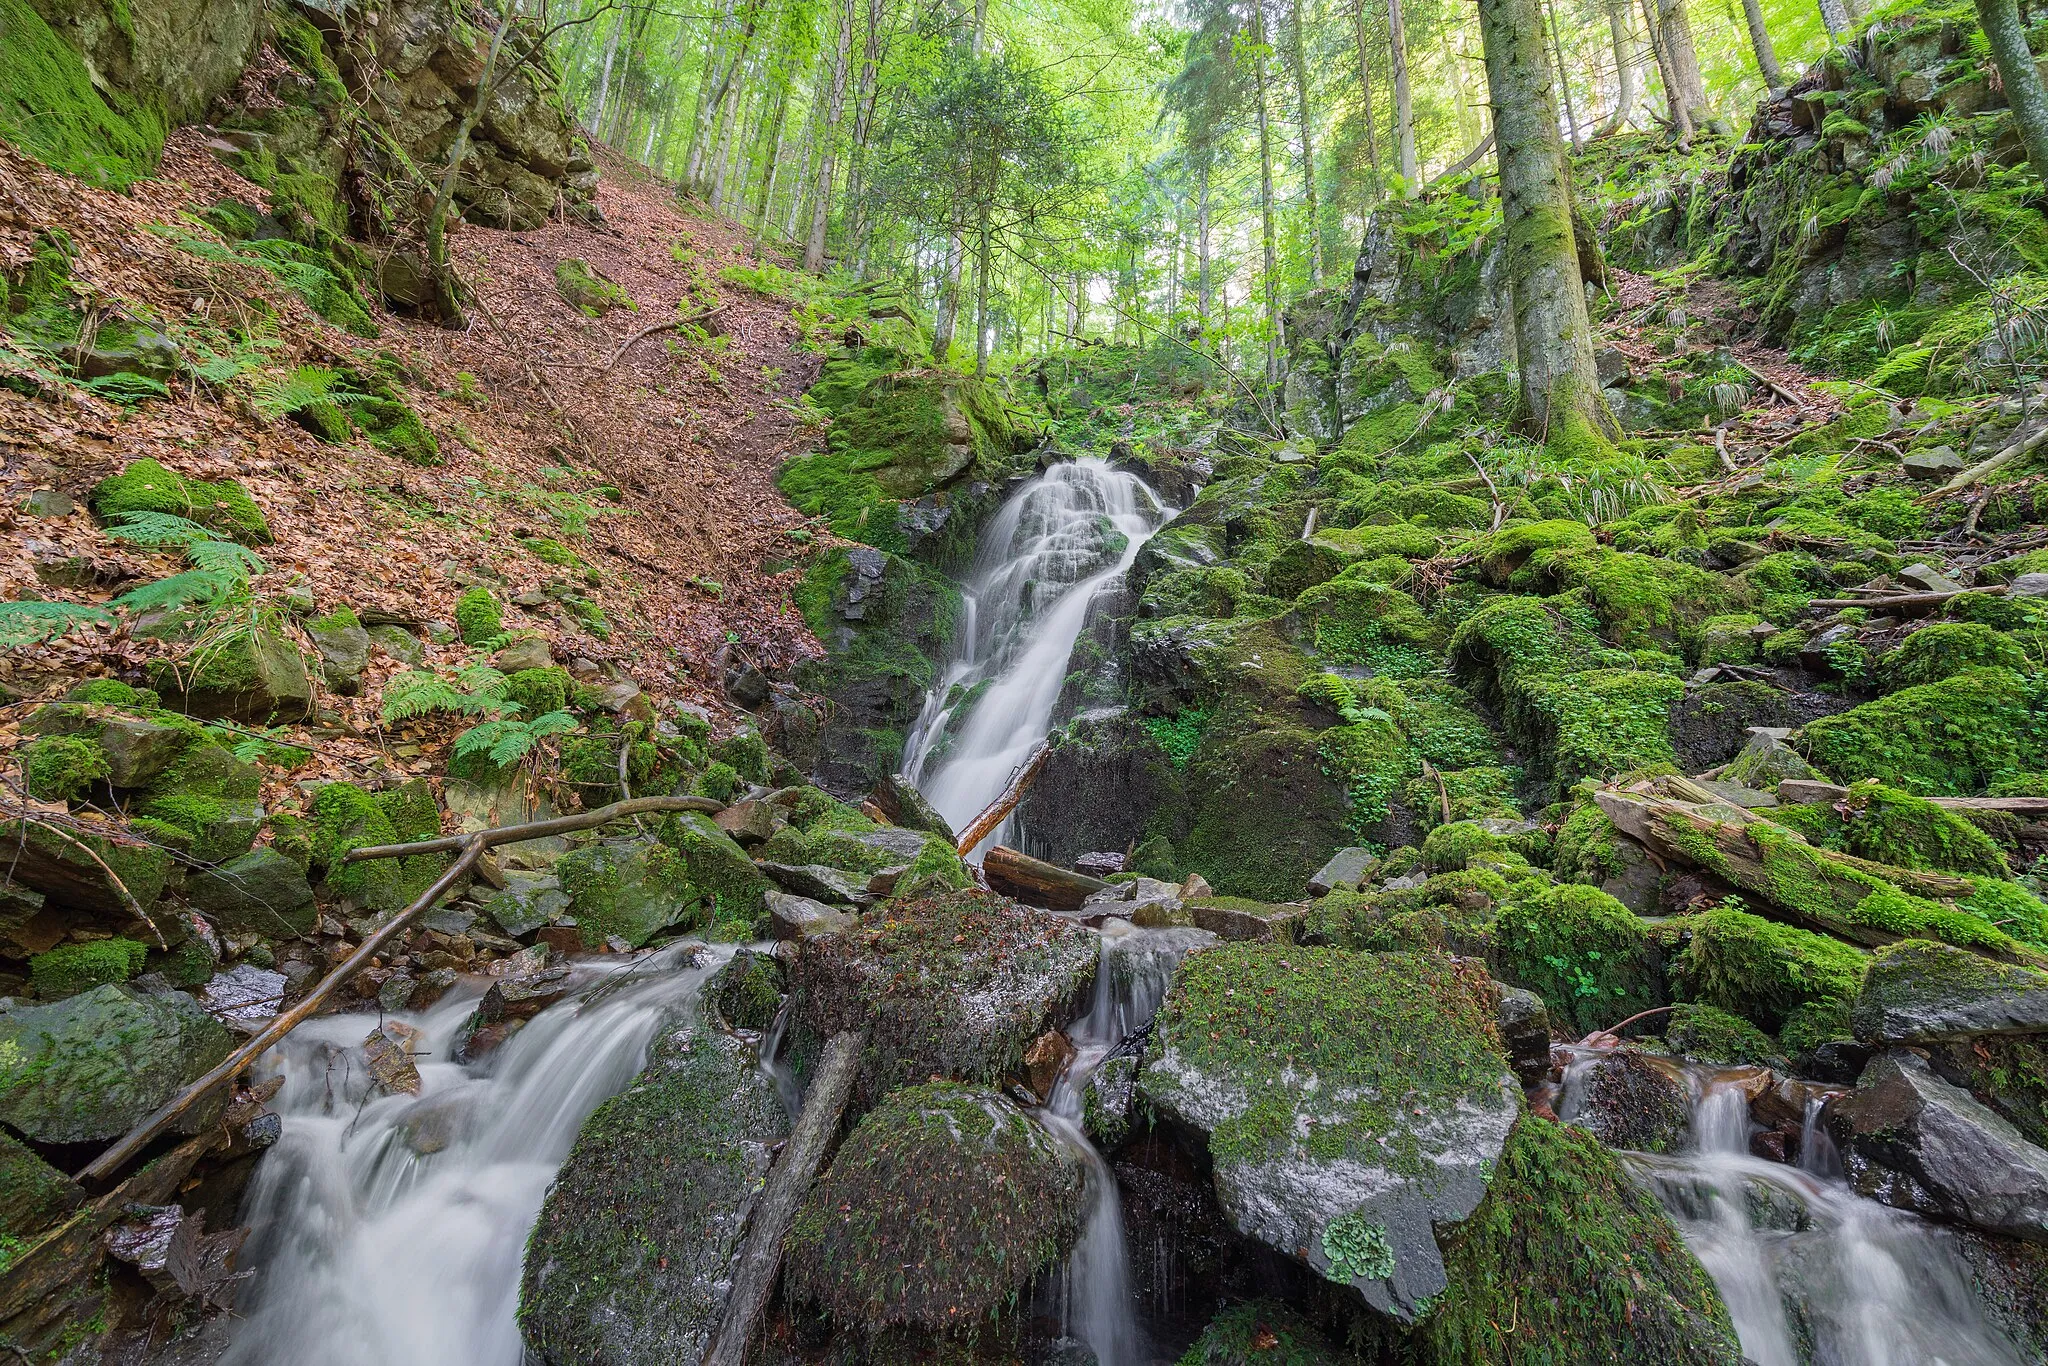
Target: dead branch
(1902,599)
(1990,466)
(672,325)
(533,830)
(978,829)
(134,906)
(1780,390)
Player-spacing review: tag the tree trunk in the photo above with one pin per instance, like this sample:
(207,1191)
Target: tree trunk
(981,318)
(1404,103)
(948,311)
(1205,289)
(604,78)
(865,96)
(1675,27)
(2022,79)
(1681,116)
(1036,882)
(721,153)
(1624,70)
(1372,142)
(1835,15)
(771,153)
(1308,149)
(1272,256)
(1564,83)
(835,110)
(1074,305)
(1553,338)
(709,93)
(1760,39)
(440,271)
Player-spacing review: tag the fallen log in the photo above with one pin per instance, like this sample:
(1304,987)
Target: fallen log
(1006,801)
(472,848)
(795,1170)
(1036,882)
(1901,599)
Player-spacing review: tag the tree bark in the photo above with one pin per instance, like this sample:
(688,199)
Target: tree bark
(1681,117)
(710,92)
(2022,79)
(1553,337)
(1760,39)
(1372,142)
(1075,300)
(1205,283)
(761,1254)
(1299,61)
(771,155)
(1272,257)
(604,79)
(1036,882)
(440,271)
(1564,82)
(1404,102)
(982,339)
(1624,70)
(835,110)
(1675,27)
(948,311)
(1835,15)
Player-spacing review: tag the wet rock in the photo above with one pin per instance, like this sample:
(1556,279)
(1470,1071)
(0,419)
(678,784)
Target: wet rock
(262,892)
(1919,991)
(1142,901)
(1913,1141)
(748,990)
(1766,760)
(942,1205)
(1347,869)
(1525,1031)
(1235,918)
(92,1066)
(1102,865)
(634,1250)
(799,917)
(1100,788)
(1628,1099)
(630,888)
(526,902)
(2010,1279)
(819,882)
(1107,1102)
(1278,1057)
(33,1194)
(524,996)
(1045,1058)
(245,998)
(388,1054)
(953,985)
(746,687)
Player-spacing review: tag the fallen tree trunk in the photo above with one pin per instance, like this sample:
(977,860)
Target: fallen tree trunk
(1901,599)
(1037,882)
(795,1170)
(979,828)
(472,848)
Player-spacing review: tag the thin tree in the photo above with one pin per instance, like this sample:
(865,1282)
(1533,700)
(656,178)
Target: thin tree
(1553,336)
(1372,147)
(835,110)
(1271,274)
(1564,83)
(1299,61)
(1404,100)
(1760,41)
(1681,114)
(1624,70)
(2007,34)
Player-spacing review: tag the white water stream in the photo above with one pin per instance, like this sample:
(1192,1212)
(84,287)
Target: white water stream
(369,1252)
(1810,1271)
(1053,545)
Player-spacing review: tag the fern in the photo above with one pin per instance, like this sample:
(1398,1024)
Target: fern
(507,741)
(127,389)
(225,557)
(28,623)
(222,368)
(476,691)
(160,528)
(179,589)
(274,396)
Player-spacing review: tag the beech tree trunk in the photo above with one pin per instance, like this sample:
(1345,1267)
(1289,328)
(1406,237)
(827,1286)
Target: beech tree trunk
(1760,39)
(835,110)
(1404,102)
(1205,284)
(1681,116)
(1564,82)
(2021,77)
(1624,70)
(1835,15)
(1553,337)
(1675,27)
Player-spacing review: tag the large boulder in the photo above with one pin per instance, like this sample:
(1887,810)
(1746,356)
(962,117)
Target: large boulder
(629,889)
(42,864)
(1920,991)
(92,1066)
(635,1248)
(259,676)
(942,1205)
(1350,1104)
(262,892)
(1911,1140)
(955,985)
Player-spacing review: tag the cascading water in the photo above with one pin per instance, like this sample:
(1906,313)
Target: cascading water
(1810,1271)
(1058,540)
(1136,970)
(389,1228)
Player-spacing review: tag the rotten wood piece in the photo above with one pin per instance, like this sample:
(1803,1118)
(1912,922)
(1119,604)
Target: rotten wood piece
(1992,465)
(795,1170)
(981,826)
(1902,599)
(471,849)
(1037,882)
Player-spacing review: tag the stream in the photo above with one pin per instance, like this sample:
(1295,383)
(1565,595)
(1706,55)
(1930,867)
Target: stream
(1054,543)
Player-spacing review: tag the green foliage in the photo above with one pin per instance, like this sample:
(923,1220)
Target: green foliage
(1708,1034)
(1951,738)
(507,740)
(1946,648)
(1582,951)
(30,622)
(71,968)
(1759,969)
(478,690)
(539,691)
(1179,734)
(1888,826)
(720,782)
(147,487)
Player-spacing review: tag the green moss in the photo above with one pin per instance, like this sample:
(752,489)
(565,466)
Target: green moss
(1708,1034)
(719,870)
(1582,951)
(1263,1333)
(550,551)
(478,616)
(111,692)
(1587,850)
(539,691)
(1762,970)
(720,782)
(62,768)
(147,486)
(630,890)
(1945,649)
(748,990)
(1888,826)
(1520,1294)
(941,1206)
(1449,847)
(1951,738)
(72,968)
(346,817)
(395,429)
(52,108)
(591,294)
(219,828)
(746,753)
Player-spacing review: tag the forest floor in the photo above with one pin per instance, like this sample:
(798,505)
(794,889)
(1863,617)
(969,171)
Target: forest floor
(656,467)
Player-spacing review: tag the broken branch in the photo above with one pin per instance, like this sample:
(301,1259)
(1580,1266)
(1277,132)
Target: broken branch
(979,828)
(533,830)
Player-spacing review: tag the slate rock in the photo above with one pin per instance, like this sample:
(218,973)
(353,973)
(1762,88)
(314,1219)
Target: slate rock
(1525,1031)
(92,1066)
(1911,1140)
(1347,869)
(262,892)
(1920,991)
(799,917)
(2029,586)
(526,902)
(820,883)
(1765,761)
(1936,464)
(524,996)
(245,998)
(139,751)
(1928,579)
(344,651)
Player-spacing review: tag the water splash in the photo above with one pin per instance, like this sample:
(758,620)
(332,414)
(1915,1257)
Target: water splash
(1051,547)
(389,1229)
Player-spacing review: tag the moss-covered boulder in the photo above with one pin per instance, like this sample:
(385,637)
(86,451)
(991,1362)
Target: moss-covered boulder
(1263,1333)
(148,486)
(634,1249)
(1583,952)
(586,291)
(1951,738)
(263,892)
(41,862)
(941,1206)
(258,675)
(92,1066)
(954,985)
(733,890)
(33,1194)
(1521,1291)
(1349,1102)
(1920,991)
(630,888)
(1761,970)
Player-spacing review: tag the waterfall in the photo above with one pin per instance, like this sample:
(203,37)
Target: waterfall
(1810,1271)
(1136,969)
(1057,541)
(389,1228)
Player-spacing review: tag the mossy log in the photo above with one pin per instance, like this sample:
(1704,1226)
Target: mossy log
(1036,882)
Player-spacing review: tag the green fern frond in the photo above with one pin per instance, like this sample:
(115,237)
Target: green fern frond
(275,396)
(482,680)
(127,389)
(225,557)
(179,589)
(160,528)
(28,623)
(476,691)
(506,742)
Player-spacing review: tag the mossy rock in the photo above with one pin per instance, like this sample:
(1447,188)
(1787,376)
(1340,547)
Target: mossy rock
(92,1066)
(263,892)
(1951,738)
(941,1207)
(1918,991)
(629,888)
(1263,812)
(1264,1333)
(1587,955)
(748,990)
(641,1228)
(1519,1290)
(1349,1103)
(732,888)
(478,616)
(147,486)
(258,675)
(71,968)
(1946,648)
(57,868)
(1709,1034)
(54,107)
(33,1194)
(63,768)
(346,817)
(1761,970)
(953,985)
(587,291)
